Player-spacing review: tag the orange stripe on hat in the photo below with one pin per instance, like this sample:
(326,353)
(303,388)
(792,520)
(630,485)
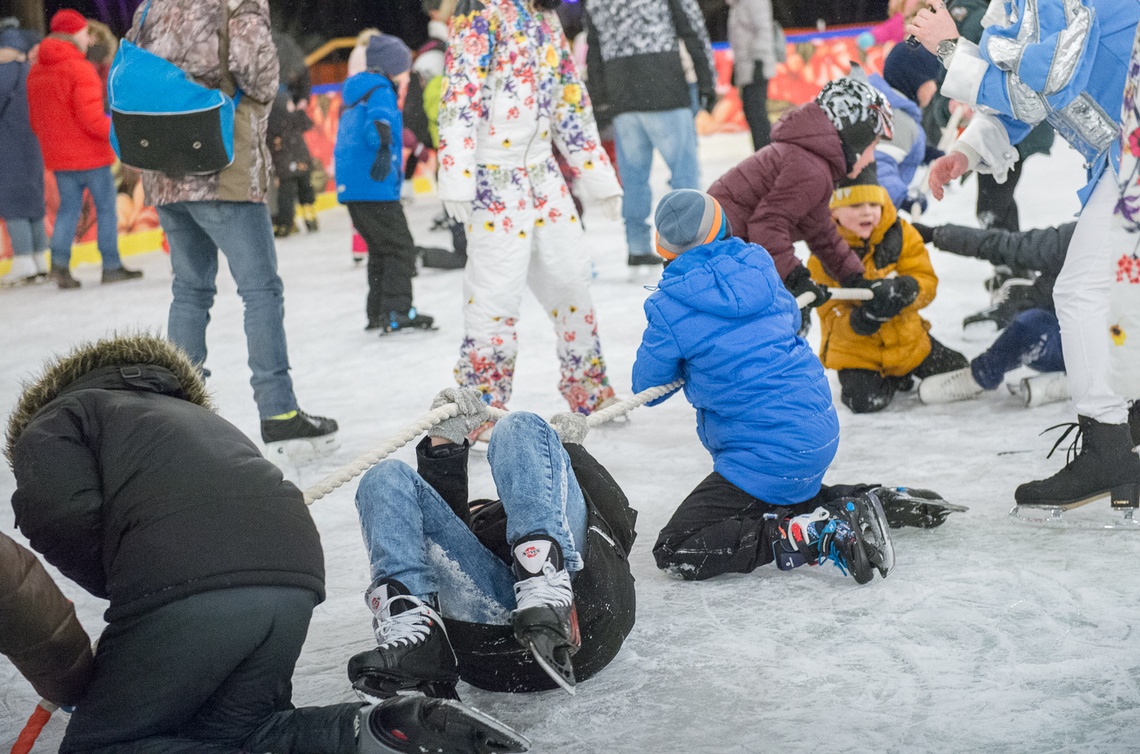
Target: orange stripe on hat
(718,220)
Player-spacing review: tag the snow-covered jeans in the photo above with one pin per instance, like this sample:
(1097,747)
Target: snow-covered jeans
(525,232)
(414,537)
(1033,339)
(1082,298)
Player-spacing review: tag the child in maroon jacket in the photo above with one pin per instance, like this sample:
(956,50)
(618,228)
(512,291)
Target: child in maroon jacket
(781,194)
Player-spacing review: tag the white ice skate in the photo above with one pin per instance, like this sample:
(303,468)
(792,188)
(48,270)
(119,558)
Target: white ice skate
(949,387)
(1042,389)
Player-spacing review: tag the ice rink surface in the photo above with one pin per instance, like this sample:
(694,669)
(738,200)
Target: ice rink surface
(990,635)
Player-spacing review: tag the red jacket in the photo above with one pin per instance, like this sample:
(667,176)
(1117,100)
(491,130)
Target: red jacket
(782,193)
(65,102)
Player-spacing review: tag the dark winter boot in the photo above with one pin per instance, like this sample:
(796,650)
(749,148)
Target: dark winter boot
(416,724)
(297,425)
(62,277)
(120,274)
(413,650)
(546,619)
(1014,297)
(1104,465)
(408,322)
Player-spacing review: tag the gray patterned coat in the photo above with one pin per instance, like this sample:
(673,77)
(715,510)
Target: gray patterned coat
(187,33)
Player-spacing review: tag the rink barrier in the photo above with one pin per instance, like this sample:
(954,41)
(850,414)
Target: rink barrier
(347,473)
(447,411)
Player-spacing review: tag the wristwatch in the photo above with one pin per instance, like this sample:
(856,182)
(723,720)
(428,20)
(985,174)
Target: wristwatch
(946,50)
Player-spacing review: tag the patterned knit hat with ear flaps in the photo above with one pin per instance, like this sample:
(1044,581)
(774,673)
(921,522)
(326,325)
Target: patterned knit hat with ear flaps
(859,111)
(687,218)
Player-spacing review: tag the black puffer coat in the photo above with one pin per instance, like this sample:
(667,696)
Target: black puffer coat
(131,486)
(489,656)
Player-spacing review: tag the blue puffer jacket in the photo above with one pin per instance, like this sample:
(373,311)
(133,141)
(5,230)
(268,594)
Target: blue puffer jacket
(369,152)
(724,322)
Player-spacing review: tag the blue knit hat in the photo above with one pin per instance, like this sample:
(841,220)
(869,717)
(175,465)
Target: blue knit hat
(387,55)
(687,218)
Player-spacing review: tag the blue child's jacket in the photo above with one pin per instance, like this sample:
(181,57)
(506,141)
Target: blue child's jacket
(369,152)
(724,322)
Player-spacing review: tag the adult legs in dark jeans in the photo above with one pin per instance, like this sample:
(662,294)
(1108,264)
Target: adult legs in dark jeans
(286,215)
(754,98)
(211,672)
(866,391)
(242,230)
(391,257)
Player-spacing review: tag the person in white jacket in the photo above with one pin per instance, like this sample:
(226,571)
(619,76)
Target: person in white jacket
(511,91)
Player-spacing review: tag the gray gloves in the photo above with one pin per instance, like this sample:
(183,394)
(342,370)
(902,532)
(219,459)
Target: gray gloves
(571,428)
(472,413)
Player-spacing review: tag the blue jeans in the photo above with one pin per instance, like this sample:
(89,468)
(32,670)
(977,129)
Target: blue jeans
(101,184)
(243,232)
(414,537)
(674,135)
(28,236)
(1033,339)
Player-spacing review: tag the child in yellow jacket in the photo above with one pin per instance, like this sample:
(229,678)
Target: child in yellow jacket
(879,346)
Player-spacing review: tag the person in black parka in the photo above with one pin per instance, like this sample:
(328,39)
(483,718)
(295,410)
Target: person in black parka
(131,485)
(460,586)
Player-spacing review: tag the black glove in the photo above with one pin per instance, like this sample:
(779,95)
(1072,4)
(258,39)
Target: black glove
(862,323)
(891,296)
(799,282)
(925,231)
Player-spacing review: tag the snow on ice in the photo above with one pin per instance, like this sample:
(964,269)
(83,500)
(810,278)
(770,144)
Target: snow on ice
(990,635)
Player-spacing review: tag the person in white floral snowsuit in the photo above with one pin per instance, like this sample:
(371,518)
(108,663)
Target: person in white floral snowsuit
(511,90)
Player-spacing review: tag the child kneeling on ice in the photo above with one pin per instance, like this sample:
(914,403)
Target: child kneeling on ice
(723,321)
(879,346)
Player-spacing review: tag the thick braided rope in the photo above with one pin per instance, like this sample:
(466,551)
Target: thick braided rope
(446,411)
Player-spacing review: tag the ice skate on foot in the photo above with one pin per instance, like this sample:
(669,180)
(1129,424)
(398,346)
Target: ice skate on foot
(297,437)
(1104,465)
(1042,389)
(911,506)
(853,534)
(546,619)
(949,387)
(22,272)
(416,724)
(1010,299)
(413,651)
(411,321)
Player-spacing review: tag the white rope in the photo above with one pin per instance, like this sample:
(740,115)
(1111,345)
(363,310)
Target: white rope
(448,410)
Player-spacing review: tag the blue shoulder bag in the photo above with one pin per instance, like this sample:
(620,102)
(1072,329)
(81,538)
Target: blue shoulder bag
(161,119)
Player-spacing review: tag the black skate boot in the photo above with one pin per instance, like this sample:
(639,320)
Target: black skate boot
(911,506)
(546,620)
(420,725)
(1014,297)
(412,321)
(1104,465)
(297,437)
(852,534)
(413,651)
(1134,422)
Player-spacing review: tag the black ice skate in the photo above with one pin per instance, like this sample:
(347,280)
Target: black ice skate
(852,534)
(298,437)
(911,506)
(413,651)
(1013,297)
(1103,466)
(420,725)
(546,619)
(412,321)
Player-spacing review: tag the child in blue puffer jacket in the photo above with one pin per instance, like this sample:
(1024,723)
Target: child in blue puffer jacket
(723,321)
(369,158)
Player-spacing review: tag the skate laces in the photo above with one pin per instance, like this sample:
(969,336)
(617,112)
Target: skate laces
(551,589)
(409,627)
(1073,450)
(837,532)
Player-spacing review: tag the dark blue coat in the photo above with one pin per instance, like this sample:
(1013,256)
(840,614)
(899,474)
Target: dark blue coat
(369,152)
(22,174)
(723,321)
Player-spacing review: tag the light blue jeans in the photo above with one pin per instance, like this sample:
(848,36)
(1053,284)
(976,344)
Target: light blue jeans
(414,537)
(101,184)
(244,233)
(673,134)
(28,236)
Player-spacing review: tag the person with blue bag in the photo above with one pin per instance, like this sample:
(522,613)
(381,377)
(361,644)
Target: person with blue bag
(206,167)
(369,159)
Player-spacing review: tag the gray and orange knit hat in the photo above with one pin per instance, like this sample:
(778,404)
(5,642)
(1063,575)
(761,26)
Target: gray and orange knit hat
(687,218)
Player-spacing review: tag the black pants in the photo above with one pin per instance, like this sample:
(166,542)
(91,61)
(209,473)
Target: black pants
(754,98)
(391,256)
(293,189)
(209,673)
(865,391)
(720,528)
(996,206)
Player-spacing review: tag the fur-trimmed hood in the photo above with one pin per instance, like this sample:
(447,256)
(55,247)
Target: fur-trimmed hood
(116,351)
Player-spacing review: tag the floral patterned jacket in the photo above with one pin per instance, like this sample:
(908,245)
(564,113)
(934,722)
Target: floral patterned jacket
(511,89)
(1129,206)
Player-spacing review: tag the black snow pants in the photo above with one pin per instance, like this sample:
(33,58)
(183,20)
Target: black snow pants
(865,391)
(209,674)
(720,528)
(391,256)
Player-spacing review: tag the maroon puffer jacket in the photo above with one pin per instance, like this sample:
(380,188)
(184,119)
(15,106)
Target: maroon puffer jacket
(781,194)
